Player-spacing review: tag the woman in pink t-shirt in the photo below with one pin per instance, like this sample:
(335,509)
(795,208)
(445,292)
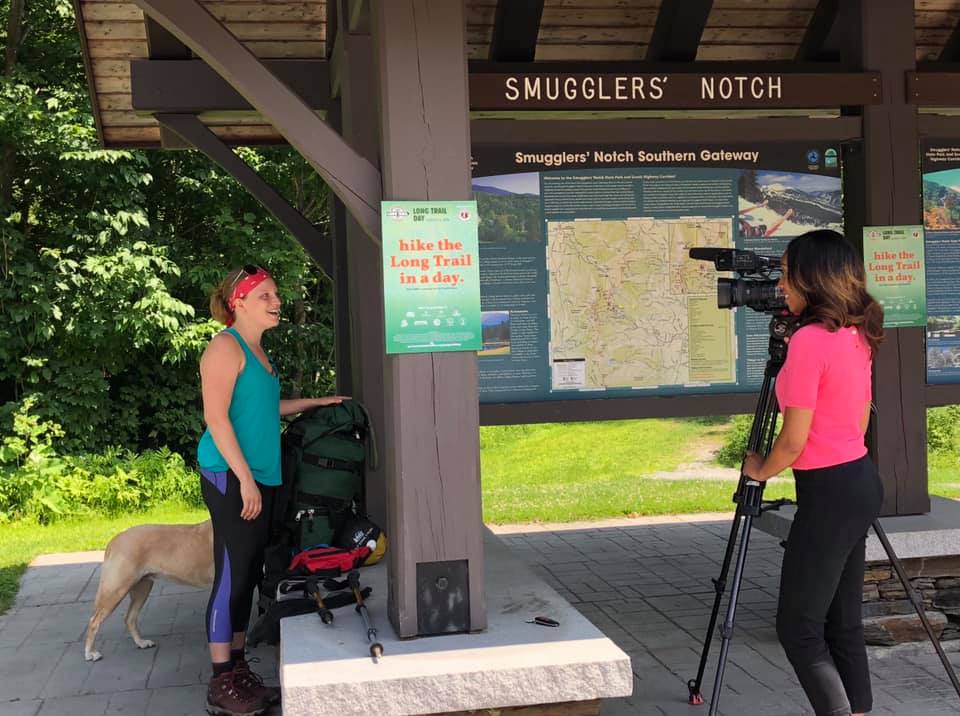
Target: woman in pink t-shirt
(823,390)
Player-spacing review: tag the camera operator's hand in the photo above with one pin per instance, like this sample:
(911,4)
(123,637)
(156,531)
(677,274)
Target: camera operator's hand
(752,465)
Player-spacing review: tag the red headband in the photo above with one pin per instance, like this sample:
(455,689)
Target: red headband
(250,282)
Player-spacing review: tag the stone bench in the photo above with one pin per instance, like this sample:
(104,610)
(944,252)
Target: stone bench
(326,669)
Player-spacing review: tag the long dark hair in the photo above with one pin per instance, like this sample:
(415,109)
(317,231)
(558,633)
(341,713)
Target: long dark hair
(826,270)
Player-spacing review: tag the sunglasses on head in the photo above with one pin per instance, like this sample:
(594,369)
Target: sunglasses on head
(246,270)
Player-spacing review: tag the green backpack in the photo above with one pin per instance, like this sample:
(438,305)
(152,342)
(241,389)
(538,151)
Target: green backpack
(324,458)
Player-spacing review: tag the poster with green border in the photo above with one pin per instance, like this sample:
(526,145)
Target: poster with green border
(894,260)
(431,276)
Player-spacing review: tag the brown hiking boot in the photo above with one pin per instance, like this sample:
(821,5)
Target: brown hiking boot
(226,696)
(252,682)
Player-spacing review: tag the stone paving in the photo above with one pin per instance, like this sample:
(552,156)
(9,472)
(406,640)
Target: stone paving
(645,583)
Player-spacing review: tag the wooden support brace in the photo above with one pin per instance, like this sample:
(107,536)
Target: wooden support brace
(349,175)
(191,130)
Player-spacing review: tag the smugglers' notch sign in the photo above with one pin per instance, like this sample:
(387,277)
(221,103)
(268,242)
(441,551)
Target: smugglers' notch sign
(551,90)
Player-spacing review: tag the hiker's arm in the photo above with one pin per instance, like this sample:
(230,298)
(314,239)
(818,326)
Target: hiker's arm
(786,448)
(298,405)
(219,368)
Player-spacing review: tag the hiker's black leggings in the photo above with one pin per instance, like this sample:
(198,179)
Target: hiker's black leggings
(821,585)
(238,546)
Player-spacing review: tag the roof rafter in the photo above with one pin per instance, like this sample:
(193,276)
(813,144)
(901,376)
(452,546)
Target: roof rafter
(161,45)
(349,175)
(515,29)
(677,32)
(951,50)
(816,43)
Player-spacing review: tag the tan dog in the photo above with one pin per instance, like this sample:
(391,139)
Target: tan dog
(135,557)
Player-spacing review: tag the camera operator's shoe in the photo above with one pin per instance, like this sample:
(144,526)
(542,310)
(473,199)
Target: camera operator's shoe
(226,697)
(253,682)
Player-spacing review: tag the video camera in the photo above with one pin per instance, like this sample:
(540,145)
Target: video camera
(755,287)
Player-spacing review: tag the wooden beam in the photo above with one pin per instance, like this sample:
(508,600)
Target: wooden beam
(677,32)
(361,130)
(814,43)
(337,212)
(196,134)
(939,395)
(951,48)
(516,25)
(941,126)
(350,176)
(192,86)
(881,187)
(178,86)
(511,92)
(934,89)
(162,45)
(679,131)
(358,17)
(565,411)
(432,423)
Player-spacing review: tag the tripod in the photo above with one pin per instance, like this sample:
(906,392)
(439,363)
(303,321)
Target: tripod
(750,504)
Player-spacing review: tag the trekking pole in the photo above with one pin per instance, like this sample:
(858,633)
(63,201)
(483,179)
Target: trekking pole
(312,589)
(376,648)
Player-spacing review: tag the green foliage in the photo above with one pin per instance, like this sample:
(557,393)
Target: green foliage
(114,482)
(509,217)
(107,259)
(735,441)
(943,430)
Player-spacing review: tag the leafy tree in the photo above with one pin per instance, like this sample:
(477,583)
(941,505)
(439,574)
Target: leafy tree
(107,257)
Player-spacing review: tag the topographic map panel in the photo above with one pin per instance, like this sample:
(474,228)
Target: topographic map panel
(630,307)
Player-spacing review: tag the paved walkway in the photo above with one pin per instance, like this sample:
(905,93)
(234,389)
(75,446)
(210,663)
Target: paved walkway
(645,583)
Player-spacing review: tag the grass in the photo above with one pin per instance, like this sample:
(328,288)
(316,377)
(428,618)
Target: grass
(943,474)
(584,471)
(23,541)
(531,473)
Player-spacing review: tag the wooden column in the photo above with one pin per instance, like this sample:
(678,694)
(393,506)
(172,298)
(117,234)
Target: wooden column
(343,349)
(431,446)
(357,80)
(884,182)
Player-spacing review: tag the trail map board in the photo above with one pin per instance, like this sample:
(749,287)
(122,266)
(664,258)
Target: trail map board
(586,285)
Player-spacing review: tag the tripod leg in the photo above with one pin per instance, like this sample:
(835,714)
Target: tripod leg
(726,631)
(748,498)
(719,586)
(917,603)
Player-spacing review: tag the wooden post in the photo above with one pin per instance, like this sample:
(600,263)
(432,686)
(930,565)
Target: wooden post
(432,434)
(357,82)
(885,183)
(342,342)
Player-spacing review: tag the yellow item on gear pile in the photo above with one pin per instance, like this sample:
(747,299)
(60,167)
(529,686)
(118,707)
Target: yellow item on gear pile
(377,554)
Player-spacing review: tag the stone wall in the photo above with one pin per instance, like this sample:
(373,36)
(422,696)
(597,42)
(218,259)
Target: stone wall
(889,616)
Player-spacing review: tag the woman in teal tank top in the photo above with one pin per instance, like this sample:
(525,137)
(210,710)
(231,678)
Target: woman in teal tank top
(239,458)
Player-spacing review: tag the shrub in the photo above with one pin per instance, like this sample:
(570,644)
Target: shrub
(109,483)
(942,426)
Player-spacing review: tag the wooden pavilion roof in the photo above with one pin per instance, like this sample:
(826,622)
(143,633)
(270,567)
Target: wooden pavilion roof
(114,33)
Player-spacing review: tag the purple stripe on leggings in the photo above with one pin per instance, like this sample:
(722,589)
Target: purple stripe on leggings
(217,479)
(220,629)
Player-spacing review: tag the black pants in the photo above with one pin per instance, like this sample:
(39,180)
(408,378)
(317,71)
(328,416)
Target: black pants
(819,620)
(238,546)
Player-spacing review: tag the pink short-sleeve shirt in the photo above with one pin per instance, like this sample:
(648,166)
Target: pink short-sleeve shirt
(829,373)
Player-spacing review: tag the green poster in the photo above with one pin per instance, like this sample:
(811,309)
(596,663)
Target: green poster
(893,257)
(431,276)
